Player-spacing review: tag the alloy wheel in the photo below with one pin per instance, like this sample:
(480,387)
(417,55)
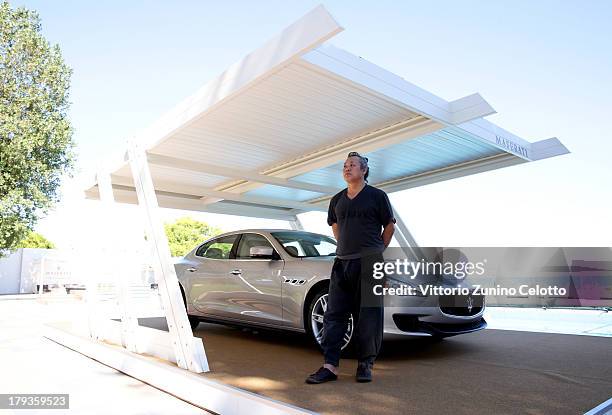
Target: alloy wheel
(316,322)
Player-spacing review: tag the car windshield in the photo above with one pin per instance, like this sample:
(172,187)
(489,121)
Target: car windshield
(305,244)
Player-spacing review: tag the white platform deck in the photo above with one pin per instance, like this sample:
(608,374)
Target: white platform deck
(562,321)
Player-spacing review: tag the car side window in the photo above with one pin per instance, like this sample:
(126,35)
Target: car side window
(294,248)
(202,249)
(217,248)
(248,241)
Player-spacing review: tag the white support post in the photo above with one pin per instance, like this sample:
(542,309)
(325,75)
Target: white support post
(296,224)
(189,350)
(91,300)
(41,277)
(405,238)
(129,322)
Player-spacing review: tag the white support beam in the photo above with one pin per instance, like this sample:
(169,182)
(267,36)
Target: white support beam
(167,200)
(503,139)
(296,224)
(376,80)
(264,201)
(210,395)
(469,108)
(310,31)
(405,233)
(129,323)
(550,147)
(189,350)
(233,173)
(405,239)
(203,193)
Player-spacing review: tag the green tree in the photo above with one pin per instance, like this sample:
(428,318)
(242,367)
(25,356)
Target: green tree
(184,234)
(36,147)
(35,240)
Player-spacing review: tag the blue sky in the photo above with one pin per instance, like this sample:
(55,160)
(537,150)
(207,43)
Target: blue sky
(545,66)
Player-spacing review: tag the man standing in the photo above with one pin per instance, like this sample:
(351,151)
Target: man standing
(363,224)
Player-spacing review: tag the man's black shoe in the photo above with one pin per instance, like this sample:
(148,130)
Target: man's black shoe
(364,372)
(321,376)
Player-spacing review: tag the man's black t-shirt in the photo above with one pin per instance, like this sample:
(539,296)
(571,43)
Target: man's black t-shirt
(360,221)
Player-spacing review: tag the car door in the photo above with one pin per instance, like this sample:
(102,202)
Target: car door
(257,271)
(211,280)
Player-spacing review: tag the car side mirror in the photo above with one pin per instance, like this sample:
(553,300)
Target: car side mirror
(261,252)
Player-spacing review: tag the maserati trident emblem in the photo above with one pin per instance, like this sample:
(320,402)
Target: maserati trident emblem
(470,303)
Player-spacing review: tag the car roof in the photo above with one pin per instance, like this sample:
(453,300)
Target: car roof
(266,230)
(254,230)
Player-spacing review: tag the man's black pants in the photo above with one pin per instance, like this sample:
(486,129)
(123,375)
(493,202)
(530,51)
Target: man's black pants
(350,291)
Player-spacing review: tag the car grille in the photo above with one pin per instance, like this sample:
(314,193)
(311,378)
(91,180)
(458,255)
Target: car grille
(453,329)
(461,305)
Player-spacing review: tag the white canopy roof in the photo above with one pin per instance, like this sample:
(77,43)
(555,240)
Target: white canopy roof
(268,137)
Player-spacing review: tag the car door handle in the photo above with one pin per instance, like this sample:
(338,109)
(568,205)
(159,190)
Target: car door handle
(236,272)
(191,269)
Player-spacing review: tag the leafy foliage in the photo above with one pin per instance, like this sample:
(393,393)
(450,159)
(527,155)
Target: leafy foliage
(184,234)
(36,146)
(35,240)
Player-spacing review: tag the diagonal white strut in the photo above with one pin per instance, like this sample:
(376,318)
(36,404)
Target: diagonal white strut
(404,237)
(189,350)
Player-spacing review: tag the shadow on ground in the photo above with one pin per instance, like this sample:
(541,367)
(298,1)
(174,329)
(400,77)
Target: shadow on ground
(492,371)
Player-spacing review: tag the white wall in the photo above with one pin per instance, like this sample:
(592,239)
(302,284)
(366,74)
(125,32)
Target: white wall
(10,273)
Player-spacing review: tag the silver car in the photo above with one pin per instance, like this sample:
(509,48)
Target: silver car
(278,278)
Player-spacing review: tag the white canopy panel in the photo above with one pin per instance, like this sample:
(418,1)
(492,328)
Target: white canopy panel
(267,138)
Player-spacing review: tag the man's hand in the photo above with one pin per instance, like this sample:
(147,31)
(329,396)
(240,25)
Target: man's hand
(335,230)
(388,233)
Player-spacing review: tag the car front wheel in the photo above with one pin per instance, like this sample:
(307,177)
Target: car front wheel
(316,311)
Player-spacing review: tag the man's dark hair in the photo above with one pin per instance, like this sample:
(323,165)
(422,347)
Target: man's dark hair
(363,161)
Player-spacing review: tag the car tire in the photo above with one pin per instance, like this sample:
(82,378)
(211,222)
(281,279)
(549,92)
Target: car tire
(314,322)
(193,320)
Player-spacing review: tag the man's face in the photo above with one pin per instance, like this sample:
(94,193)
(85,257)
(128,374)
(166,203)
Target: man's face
(352,170)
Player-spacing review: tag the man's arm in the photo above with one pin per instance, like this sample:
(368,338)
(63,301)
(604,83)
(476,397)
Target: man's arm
(387,233)
(335,230)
